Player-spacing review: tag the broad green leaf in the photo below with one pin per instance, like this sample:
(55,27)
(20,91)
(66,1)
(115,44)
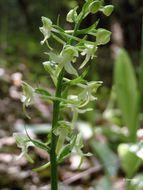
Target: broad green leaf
(102,36)
(130,162)
(108,158)
(140,101)
(126,91)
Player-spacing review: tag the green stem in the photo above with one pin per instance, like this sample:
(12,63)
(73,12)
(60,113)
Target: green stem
(53,157)
(54,138)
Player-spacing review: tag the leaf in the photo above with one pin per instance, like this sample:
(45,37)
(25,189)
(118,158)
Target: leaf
(126,91)
(108,158)
(102,36)
(130,162)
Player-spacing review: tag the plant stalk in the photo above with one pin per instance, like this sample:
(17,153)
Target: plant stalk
(56,110)
(53,157)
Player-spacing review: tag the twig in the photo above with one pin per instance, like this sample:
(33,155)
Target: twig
(82,174)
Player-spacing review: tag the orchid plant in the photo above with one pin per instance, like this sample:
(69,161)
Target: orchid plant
(63,139)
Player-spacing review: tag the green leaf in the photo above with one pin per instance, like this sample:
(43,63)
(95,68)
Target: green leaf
(107,10)
(102,36)
(126,91)
(108,158)
(130,162)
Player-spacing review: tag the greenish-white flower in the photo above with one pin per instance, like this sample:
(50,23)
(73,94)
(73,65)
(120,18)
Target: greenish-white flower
(24,143)
(102,36)
(51,67)
(89,53)
(88,89)
(46,29)
(72,15)
(28,94)
(65,59)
